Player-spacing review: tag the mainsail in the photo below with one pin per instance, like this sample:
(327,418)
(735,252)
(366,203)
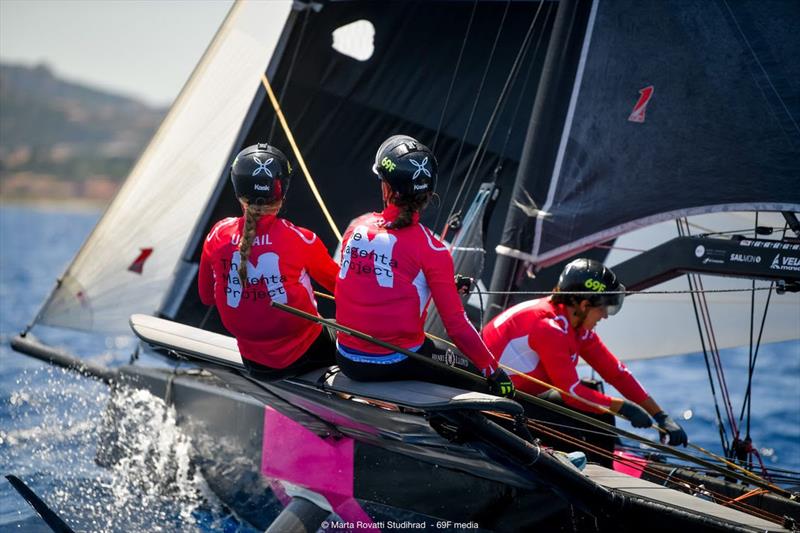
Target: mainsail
(460,76)
(127,263)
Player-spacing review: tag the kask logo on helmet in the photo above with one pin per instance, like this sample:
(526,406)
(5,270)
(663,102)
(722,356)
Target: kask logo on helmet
(421,167)
(262,166)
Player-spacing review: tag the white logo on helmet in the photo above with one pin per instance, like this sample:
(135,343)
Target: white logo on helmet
(421,168)
(262,166)
(261,187)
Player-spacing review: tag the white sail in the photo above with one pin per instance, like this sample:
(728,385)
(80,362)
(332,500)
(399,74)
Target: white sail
(656,325)
(126,265)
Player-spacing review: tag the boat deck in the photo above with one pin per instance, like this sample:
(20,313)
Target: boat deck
(657,493)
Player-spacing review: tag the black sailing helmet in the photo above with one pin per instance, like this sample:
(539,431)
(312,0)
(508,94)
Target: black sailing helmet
(594,279)
(261,174)
(407,165)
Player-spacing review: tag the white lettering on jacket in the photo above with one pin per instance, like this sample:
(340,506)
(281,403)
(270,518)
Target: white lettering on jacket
(266,268)
(379,249)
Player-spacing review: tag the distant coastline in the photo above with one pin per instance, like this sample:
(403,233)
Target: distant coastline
(68,205)
(65,145)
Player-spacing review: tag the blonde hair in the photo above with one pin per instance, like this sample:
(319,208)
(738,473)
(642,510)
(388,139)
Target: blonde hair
(252,214)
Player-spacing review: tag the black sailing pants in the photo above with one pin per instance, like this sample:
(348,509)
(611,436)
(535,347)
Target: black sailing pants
(319,354)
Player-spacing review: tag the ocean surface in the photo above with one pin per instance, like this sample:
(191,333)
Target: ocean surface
(50,419)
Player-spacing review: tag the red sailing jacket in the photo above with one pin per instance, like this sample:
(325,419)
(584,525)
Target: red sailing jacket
(281,260)
(385,283)
(536,337)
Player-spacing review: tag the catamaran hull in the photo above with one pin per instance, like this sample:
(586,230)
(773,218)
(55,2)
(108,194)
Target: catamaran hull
(373,467)
(255,457)
(260,443)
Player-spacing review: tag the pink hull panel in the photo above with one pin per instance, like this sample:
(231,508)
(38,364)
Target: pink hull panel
(632,465)
(326,466)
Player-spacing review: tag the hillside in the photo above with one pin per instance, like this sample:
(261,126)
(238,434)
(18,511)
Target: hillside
(63,140)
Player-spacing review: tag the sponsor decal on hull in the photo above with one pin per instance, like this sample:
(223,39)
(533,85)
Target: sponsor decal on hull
(784,262)
(745,258)
(707,255)
(770,245)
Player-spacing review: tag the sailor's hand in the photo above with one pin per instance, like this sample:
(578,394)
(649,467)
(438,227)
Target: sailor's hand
(638,416)
(463,284)
(673,431)
(500,384)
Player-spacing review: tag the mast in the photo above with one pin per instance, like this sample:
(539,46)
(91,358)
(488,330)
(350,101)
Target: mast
(539,151)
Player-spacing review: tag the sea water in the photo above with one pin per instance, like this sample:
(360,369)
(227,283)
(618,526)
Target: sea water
(51,419)
(51,429)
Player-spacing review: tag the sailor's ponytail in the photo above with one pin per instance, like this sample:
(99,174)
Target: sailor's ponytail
(252,214)
(408,206)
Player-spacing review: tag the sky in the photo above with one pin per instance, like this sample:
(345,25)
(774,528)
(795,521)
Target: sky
(140,48)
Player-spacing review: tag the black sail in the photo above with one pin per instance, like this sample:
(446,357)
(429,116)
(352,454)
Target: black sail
(429,68)
(678,108)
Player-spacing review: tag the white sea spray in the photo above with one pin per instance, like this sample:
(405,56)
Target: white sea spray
(62,425)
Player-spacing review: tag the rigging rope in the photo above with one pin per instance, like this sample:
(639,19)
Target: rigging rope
(752,366)
(753,357)
(547,429)
(488,131)
(501,157)
(754,492)
(717,358)
(775,92)
(605,410)
(720,426)
(455,75)
(737,448)
(474,107)
(754,354)
(299,157)
(733,502)
(750,353)
(630,292)
(593,405)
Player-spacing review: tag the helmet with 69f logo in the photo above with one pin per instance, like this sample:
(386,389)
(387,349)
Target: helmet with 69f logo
(595,281)
(407,165)
(261,174)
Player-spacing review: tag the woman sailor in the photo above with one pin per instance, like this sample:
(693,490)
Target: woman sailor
(250,260)
(390,267)
(544,338)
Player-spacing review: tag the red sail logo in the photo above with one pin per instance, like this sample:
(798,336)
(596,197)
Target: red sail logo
(637,115)
(138,263)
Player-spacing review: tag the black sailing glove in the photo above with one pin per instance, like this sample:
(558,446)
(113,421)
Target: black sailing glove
(674,432)
(638,416)
(500,384)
